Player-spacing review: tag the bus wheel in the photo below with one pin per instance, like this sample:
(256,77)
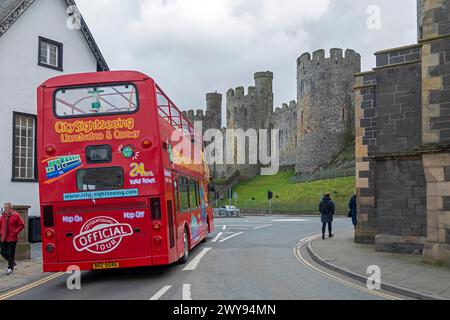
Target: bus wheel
(185,257)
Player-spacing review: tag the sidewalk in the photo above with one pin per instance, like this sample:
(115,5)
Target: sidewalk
(25,272)
(404,274)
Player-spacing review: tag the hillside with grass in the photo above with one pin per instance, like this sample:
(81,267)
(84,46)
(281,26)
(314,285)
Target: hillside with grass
(292,197)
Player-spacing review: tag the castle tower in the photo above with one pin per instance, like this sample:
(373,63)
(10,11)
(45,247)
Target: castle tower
(250,111)
(214,110)
(325,105)
(264,91)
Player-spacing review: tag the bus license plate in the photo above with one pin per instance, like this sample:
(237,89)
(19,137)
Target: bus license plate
(105,265)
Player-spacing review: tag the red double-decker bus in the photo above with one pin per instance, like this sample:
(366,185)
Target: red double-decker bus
(113,191)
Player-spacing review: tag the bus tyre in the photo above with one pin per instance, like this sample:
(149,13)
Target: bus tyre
(184,259)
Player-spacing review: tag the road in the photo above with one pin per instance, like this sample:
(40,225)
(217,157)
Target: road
(254,258)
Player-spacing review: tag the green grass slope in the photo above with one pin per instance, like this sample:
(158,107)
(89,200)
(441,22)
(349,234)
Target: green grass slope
(291,197)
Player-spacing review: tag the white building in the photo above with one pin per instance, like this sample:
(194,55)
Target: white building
(39,39)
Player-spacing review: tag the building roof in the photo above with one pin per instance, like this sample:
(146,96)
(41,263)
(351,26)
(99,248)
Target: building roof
(11,10)
(6,7)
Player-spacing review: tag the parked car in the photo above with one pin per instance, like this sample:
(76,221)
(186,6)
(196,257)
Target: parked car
(229,211)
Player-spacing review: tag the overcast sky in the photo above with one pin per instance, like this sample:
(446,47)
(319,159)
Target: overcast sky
(191,47)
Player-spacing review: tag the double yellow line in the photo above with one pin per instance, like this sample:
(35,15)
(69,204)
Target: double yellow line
(300,258)
(30,286)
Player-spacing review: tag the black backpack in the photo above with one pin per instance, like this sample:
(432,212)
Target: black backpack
(327,207)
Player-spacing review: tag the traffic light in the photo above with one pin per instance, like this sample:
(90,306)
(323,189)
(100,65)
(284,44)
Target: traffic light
(270,195)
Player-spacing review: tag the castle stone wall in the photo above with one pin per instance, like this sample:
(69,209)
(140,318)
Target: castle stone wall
(285,120)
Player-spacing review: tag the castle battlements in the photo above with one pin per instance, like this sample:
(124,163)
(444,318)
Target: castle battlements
(263,85)
(212,116)
(286,107)
(336,56)
(239,93)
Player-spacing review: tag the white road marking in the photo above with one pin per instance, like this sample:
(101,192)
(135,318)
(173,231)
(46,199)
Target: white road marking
(187,294)
(267,225)
(234,235)
(239,228)
(224,228)
(217,237)
(194,263)
(160,293)
(289,220)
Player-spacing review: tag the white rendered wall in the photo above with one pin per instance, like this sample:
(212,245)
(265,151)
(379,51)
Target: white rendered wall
(20,76)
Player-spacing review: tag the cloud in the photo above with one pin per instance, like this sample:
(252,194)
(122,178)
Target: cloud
(192,47)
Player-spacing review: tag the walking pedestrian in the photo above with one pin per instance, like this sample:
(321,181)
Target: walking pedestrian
(327,211)
(11,225)
(353,212)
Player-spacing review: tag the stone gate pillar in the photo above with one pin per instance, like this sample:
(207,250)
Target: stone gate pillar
(365,129)
(23,250)
(434,36)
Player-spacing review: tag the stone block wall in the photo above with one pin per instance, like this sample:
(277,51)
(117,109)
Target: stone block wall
(390,177)
(401,205)
(399,104)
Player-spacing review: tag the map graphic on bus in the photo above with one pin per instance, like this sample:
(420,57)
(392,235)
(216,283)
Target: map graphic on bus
(59,166)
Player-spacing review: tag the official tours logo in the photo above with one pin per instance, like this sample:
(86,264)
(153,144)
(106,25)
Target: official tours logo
(101,235)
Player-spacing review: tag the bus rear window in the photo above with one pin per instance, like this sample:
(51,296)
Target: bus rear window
(98,100)
(100,179)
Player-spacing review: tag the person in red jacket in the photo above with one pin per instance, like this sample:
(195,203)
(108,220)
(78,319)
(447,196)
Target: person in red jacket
(11,225)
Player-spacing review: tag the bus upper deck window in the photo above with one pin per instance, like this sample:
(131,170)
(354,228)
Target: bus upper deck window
(75,102)
(99,154)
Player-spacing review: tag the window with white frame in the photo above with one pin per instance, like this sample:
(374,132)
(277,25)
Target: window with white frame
(50,54)
(24,147)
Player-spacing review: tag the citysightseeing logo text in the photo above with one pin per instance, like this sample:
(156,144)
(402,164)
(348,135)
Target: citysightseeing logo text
(96,130)
(101,235)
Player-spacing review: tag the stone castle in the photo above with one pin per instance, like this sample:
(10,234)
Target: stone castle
(312,130)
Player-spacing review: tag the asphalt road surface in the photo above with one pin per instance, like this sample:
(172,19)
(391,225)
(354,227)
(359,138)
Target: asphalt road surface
(254,258)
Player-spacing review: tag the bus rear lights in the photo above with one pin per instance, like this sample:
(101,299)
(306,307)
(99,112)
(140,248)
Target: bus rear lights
(146,143)
(50,149)
(49,234)
(50,248)
(157,240)
(157,226)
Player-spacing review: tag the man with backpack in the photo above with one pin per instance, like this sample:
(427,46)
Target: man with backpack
(327,211)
